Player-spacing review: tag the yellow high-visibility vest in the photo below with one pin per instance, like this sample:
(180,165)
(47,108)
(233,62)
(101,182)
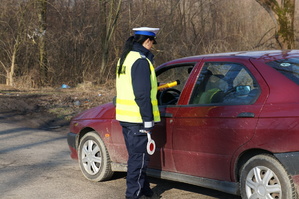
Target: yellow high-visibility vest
(127,109)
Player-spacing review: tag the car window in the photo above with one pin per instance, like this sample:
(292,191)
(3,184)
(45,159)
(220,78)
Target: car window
(287,67)
(226,84)
(170,96)
(173,73)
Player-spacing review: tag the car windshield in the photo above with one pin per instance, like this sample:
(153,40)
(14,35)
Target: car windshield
(287,67)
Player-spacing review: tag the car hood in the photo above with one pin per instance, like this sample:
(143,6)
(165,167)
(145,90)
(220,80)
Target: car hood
(105,111)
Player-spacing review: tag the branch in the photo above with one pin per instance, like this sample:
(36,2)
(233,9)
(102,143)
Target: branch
(6,70)
(270,6)
(259,43)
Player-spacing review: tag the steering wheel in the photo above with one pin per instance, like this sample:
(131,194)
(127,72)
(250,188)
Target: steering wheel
(169,96)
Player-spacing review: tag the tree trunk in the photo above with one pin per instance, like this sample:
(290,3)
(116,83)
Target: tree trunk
(283,16)
(9,79)
(110,25)
(43,62)
(10,71)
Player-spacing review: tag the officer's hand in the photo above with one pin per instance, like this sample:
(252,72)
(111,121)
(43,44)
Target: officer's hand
(145,131)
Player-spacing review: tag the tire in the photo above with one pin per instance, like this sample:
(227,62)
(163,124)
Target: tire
(94,160)
(263,177)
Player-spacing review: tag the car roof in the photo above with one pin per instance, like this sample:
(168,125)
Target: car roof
(267,55)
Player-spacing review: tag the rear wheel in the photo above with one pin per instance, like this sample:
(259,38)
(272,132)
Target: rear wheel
(94,159)
(263,177)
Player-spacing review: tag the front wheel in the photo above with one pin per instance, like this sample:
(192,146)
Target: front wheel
(263,177)
(94,159)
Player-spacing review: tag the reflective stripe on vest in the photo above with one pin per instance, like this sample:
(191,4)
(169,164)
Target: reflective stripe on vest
(127,109)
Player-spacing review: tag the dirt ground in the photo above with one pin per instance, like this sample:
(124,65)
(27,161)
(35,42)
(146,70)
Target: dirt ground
(50,108)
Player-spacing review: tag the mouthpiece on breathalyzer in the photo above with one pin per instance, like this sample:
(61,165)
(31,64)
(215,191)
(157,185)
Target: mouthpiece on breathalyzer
(169,85)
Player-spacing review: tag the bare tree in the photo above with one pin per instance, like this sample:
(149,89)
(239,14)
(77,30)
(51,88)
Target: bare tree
(9,69)
(283,15)
(52,42)
(14,25)
(43,62)
(111,14)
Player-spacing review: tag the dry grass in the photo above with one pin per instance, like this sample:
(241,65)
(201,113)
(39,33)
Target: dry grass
(44,107)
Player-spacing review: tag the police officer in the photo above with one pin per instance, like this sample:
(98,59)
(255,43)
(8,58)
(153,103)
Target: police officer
(137,106)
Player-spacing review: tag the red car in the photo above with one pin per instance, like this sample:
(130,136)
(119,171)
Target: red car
(231,125)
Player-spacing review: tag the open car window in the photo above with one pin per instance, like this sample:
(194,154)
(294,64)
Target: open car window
(169,74)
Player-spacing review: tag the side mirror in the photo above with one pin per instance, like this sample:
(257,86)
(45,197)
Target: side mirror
(243,90)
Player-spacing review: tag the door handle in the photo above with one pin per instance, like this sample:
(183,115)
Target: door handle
(166,115)
(246,114)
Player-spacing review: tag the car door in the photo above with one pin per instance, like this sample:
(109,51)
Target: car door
(219,116)
(168,99)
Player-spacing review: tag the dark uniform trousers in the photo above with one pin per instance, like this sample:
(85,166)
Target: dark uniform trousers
(137,183)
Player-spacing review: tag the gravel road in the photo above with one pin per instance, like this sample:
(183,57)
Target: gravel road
(35,164)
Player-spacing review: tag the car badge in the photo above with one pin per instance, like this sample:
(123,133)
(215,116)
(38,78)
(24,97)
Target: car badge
(285,64)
